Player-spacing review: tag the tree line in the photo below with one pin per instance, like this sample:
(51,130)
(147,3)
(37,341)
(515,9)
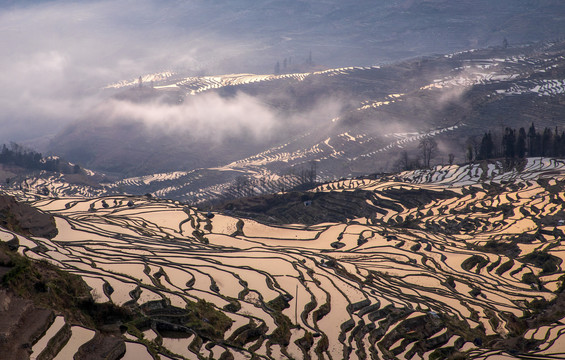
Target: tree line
(510,144)
(427,150)
(288,67)
(518,144)
(296,178)
(17,155)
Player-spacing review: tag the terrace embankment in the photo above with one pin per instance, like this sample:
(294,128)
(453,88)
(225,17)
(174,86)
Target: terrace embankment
(22,324)
(311,208)
(32,293)
(433,264)
(25,219)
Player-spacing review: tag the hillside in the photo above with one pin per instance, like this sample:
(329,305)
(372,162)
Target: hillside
(49,85)
(453,262)
(38,298)
(282,179)
(374,114)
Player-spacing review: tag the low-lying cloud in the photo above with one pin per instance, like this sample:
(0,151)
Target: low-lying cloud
(211,117)
(58,54)
(207,116)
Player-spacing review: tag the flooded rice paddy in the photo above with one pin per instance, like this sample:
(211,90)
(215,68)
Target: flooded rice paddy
(476,271)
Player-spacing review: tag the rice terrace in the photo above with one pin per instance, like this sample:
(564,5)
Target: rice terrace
(457,261)
(268,180)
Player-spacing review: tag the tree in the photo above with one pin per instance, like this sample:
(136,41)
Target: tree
(405,163)
(532,141)
(313,172)
(450,158)
(487,147)
(509,143)
(469,153)
(505,43)
(556,143)
(546,142)
(428,148)
(473,147)
(521,143)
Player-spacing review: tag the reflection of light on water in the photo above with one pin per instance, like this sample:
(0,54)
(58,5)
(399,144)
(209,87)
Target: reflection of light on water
(79,336)
(406,270)
(53,329)
(178,346)
(135,351)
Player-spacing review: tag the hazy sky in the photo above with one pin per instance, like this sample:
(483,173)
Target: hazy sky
(57,55)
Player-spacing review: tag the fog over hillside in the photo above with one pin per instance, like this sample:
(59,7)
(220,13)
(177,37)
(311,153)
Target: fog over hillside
(61,53)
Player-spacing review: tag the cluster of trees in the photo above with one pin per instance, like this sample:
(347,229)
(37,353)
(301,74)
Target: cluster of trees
(287,66)
(427,148)
(518,144)
(306,176)
(298,177)
(282,69)
(510,144)
(17,155)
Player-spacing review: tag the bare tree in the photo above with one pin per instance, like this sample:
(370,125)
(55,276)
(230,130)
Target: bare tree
(473,147)
(313,172)
(451,158)
(404,161)
(428,148)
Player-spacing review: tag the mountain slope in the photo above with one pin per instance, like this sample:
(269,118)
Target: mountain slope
(457,262)
(386,110)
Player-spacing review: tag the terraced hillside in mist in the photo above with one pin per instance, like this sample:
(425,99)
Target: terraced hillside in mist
(454,262)
(380,111)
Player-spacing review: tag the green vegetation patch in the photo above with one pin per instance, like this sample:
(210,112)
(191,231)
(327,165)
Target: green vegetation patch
(475,260)
(199,317)
(49,287)
(547,262)
(281,335)
(510,249)
(205,319)
(309,207)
